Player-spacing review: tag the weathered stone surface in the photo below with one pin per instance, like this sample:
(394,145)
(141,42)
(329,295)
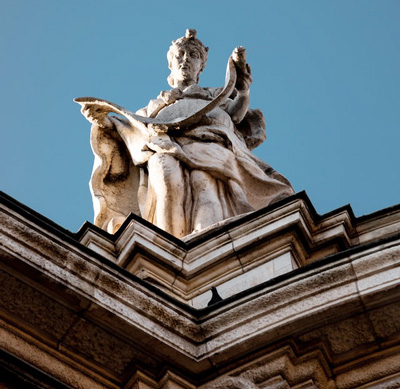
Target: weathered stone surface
(384,321)
(279,369)
(48,360)
(345,335)
(27,304)
(100,346)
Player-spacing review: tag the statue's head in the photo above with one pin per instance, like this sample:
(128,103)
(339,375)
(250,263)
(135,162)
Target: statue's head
(187,58)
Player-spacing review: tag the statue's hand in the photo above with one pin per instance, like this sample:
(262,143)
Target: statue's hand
(171,96)
(243,70)
(96,115)
(244,79)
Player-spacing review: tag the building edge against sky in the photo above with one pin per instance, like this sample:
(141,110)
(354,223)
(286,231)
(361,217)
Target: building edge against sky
(306,301)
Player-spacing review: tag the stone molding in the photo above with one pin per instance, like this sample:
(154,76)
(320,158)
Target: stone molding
(77,315)
(239,253)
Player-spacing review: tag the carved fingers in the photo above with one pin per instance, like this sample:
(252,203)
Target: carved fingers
(243,70)
(171,96)
(96,114)
(239,56)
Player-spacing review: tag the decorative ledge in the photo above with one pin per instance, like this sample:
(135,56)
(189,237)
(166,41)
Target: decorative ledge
(238,253)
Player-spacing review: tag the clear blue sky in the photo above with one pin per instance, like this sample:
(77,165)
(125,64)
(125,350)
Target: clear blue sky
(326,75)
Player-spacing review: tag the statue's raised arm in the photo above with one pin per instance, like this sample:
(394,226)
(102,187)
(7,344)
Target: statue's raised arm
(183,162)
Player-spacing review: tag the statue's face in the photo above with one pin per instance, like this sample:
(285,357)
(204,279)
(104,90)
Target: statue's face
(186,64)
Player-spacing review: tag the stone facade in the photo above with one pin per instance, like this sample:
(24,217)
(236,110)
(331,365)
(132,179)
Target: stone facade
(307,301)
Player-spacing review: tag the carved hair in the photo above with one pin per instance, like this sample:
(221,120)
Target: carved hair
(189,41)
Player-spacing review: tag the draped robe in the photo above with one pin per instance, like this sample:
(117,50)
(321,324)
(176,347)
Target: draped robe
(215,145)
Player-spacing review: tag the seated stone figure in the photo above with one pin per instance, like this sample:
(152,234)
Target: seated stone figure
(184,179)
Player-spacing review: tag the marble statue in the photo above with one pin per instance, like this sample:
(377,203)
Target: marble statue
(183,162)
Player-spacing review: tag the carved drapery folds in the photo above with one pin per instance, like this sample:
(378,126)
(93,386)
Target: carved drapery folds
(183,162)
